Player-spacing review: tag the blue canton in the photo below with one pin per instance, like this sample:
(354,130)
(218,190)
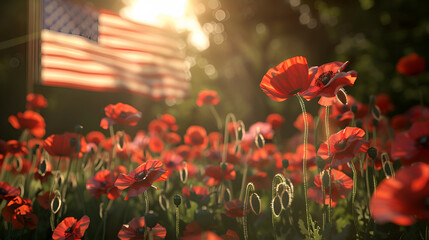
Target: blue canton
(63,16)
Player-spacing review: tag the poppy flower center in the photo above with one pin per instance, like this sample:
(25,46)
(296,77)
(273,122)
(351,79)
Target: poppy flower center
(141,175)
(69,230)
(140,230)
(340,145)
(123,115)
(104,183)
(324,78)
(424,142)
(295,92)
(3,191)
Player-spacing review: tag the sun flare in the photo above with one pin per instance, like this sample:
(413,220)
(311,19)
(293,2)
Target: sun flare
(176,14)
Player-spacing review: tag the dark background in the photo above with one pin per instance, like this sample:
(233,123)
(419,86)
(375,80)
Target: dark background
(256,35)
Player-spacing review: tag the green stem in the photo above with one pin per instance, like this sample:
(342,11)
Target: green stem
(177,222)
(304,161)
(216,116)
(330,163)
(146,199)
(243,180)
(249,188)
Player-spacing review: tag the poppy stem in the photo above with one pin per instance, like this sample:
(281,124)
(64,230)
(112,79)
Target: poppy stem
(243,180)
(330,163)
(228,119)
(146,199)
(177,222)
(249,188)
(216,116)
(304,161)
(355,220)
(112,135)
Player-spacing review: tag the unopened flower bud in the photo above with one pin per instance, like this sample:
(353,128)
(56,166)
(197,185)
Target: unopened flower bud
(177,200)
(354,108)
(151,219)
(223,166)
(372,152)
(285,163)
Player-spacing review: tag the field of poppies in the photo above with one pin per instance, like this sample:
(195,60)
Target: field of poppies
(350,173)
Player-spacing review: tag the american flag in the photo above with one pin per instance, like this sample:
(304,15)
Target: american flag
(100,51)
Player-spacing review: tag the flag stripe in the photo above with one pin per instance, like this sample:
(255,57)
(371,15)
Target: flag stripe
(126,56)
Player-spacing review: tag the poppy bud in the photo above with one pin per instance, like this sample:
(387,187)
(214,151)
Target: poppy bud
(255,204)
(276,206)
(354,108)
(372,152)
(223,166)
(359,123)
(227,196)
(41,169)
(163,202)
(286,199)
(376,113)
(342,96)
(34,150)
(240,131)
(285,163)
(151,219)
(204,217)
(177,200)
(260,141)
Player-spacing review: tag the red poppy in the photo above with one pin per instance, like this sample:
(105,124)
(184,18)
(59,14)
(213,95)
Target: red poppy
(135,230)
(95,137)
(36,101)
(215,139)
(327,80)
(30,120)
(8,192)
(103,183)
(299,122)
(65,145)
(399,122)
(171,137)
(184,151)
(17,148)
(204,235)
(230,235)
(196,193)
(3,150)
(418,113)
(412,146)
(276,120)
(207,97)
(157,127)
(296,160)
(343,114)
(172,161)
(402,199)
(19,213)
(234,208)
(170,121)
(141,178)
(71,228)
(45,199)
(288,78)
(214,174)
(384,103)
(344,145)
(411,65)
(260,180)
(120,114)
(260,159)
(156,145)
(341,186)
(196,136)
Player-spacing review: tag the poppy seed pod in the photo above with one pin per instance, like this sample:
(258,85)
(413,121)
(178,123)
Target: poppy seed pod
(177,200)
(151,219)
(285,163)
(372,152)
